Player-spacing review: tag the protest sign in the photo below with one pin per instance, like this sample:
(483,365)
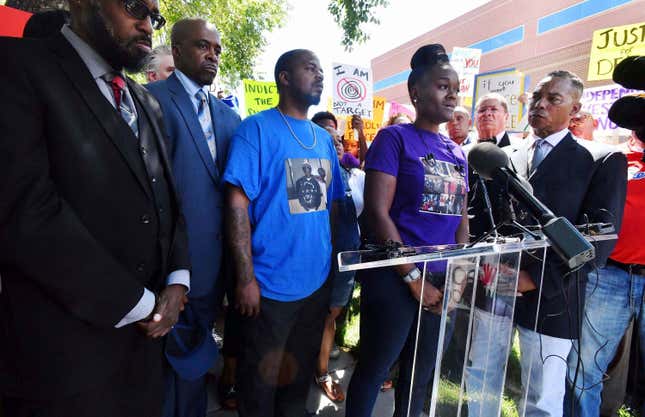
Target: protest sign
(259,95)
(609,47)
(370,126)
(510,84)
(597,101)
(352,91)
(466,62)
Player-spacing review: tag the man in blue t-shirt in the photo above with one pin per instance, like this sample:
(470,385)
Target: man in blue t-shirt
(281,240)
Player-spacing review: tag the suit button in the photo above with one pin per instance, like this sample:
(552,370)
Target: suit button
(141,267)
(144,151)
(145,219)
(161,210)
(153,179)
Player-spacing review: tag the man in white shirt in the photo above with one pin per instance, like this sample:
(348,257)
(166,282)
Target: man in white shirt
(584,182)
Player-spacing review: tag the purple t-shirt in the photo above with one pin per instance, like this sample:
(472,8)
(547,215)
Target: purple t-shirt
(349,161)
(431,186)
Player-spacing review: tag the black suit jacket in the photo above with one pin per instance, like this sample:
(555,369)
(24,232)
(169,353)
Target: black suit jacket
(79,240)
(582,181)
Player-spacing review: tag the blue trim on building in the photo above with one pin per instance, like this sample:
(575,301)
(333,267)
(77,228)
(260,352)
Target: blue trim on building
(509,37)
(392,80)
(576,12)
(500,40)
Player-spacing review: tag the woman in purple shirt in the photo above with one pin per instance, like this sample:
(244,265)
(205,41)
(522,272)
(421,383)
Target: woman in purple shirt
(415,193)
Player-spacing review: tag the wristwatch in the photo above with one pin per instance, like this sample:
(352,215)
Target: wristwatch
(412,276)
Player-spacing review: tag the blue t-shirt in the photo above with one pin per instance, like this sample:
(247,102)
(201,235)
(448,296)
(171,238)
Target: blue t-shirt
(290,189)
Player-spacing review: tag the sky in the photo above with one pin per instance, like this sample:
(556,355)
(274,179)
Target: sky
(309,25)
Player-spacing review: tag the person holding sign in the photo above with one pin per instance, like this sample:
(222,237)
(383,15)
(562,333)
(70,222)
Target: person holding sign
(412,171)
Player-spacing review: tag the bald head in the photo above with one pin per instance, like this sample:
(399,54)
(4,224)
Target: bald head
(183,28)
(196,49)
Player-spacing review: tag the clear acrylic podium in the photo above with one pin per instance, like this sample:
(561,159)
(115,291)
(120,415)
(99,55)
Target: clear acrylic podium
(477,370)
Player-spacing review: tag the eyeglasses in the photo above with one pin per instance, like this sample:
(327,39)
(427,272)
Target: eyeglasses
(138,10)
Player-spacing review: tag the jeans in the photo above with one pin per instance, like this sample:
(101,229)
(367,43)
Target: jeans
(490,345)
(388,331)
(613,299)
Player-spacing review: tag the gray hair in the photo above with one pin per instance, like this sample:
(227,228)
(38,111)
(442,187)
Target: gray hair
(574,80)
(152,62)
(493,96)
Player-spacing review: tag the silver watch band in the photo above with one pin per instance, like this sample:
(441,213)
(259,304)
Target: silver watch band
(412,276)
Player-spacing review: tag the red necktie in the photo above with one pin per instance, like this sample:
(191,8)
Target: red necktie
(118,84)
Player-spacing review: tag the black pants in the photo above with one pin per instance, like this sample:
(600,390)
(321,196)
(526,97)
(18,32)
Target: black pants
(117,397)
(278,354)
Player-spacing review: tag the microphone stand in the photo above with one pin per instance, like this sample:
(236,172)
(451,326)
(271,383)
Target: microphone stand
(495,227)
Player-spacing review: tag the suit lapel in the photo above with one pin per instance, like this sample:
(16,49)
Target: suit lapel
(216,114)
(113,124)
(187,111)
(505,141)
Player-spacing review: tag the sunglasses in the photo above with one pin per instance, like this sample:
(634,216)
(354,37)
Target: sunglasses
(138,10)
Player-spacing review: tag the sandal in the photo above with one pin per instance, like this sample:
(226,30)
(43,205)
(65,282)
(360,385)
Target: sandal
(331,388)
(387,385)
(228,397)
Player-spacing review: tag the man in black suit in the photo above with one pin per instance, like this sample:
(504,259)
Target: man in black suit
(491,115)
(584,182)
(93,252)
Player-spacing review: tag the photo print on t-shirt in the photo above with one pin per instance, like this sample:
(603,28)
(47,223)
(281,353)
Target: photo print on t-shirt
(444,188)
(307,182)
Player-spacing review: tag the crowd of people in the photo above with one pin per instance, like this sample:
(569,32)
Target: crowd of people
(130,212)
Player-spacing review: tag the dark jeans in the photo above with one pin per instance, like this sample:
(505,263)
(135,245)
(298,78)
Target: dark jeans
(388,331)
(277,355)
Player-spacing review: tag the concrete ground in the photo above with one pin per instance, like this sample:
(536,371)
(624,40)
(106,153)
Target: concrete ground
(317,403)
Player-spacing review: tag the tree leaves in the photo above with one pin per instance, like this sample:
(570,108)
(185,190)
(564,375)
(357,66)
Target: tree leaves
(243,25)
(350,15)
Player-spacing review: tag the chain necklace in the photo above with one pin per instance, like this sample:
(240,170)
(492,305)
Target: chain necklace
(313,131)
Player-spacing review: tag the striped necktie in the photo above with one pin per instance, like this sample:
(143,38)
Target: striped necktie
(123,102)
(204,116)
(540,148)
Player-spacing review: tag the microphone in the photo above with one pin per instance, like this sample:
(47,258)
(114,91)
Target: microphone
(491,163)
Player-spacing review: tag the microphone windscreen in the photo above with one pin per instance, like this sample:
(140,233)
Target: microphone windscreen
(630,72)
(485,158)
(629,112)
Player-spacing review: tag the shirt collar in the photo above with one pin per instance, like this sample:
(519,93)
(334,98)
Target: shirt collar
(95,63)
(189,85)
(499,136)
(552,139)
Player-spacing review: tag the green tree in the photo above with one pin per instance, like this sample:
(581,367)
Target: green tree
(351,15)
(243,25)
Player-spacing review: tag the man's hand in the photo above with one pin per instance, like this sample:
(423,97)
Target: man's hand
(525,283)
(166,313)
(247,298)
(432,297)
(357,123)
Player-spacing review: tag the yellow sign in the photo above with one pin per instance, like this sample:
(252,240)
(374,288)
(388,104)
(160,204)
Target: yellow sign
(259,95)
(370,126)
(609,47)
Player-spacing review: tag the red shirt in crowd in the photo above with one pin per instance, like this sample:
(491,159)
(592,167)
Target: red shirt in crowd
(630,248)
